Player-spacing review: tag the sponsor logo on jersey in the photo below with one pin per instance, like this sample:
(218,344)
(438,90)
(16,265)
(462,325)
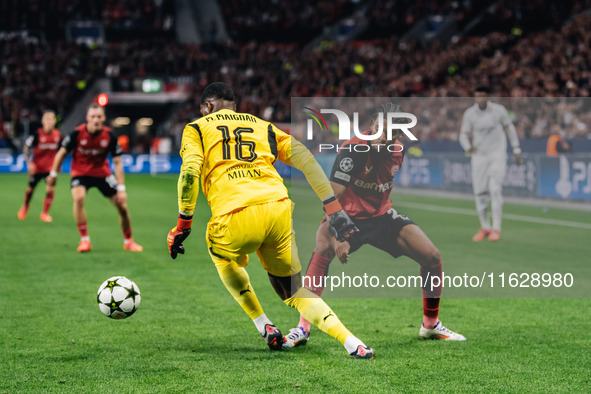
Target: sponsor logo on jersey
(244,171)
(47,146)
(92,152)
(379,187)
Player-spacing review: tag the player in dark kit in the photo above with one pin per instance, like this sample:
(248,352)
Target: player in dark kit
(90,143)
(362,178)
(43,145)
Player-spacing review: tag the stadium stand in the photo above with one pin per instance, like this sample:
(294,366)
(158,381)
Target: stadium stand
(49,18)
(282,21)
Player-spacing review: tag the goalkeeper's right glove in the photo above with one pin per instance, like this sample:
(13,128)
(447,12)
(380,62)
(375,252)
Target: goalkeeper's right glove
(178,234)
(340,225)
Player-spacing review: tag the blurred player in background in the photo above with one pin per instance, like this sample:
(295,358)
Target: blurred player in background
(90,143)
(379,224)
(233,153)
(40,149)
(556,145)
(484,132)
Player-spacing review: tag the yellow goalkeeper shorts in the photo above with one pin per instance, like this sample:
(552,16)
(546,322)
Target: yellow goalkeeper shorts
(265,228)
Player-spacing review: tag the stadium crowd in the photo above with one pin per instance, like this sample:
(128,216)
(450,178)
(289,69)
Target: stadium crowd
(49,17)
(282,21)
(38,72)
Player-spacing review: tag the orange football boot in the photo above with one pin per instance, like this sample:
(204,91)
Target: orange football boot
(84,246)
(494,235)
(45,217)
(480,235)
(22,213)
(132,246)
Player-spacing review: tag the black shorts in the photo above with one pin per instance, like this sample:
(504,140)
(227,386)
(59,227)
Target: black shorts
(36,178)
(381,232)
(107,186)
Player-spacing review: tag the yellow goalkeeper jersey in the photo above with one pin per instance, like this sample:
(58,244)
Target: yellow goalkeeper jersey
(234,155)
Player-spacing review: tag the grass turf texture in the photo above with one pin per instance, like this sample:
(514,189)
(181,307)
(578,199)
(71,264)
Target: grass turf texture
(190,335)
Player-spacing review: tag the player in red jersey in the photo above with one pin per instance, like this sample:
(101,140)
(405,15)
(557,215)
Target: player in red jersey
(90,143)
(43,145)
(362,179)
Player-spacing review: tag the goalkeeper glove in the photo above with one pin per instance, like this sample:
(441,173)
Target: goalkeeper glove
(178,234)
(340,225)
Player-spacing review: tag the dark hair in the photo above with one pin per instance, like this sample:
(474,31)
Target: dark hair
(482,89)
(385,108)
(217,90)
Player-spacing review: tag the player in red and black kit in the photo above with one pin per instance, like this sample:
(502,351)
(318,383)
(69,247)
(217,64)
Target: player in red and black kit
(90,144)
(43,145)
(362,179)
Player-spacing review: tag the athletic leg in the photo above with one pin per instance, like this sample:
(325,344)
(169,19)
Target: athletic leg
(481,196)
(49,193)
(482,208)
(78,195)
(229,252)
(414,243)
(318,267)
(280,259)
(24,209)
(120,202)
(315,310)
(124,219)
(495,185)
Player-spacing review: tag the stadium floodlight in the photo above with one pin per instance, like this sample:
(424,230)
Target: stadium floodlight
(102,99)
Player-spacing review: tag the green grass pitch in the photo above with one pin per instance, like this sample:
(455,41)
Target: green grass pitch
(189,335)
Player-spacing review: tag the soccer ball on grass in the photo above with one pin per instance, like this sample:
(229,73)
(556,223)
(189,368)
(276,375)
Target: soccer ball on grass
(118,297)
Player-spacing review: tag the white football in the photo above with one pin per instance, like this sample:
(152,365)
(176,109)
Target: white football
(118,297)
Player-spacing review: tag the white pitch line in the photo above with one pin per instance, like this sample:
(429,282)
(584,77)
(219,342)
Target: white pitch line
(470,212)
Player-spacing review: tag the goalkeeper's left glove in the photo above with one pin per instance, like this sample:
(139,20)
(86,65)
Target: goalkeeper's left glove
(340,225)
(178,234)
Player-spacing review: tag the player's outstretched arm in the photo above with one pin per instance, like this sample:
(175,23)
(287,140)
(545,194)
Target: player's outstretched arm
(120,176)
(511,133)
(466,135)
(57,165)
(28,156)
(341,249)
(295,154)
(187,188)
(178,234)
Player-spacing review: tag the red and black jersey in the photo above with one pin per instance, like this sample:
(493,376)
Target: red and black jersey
(368,176)
(89,151)
(45,146)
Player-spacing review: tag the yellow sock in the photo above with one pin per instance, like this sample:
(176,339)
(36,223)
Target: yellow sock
(237,282)
(315,310)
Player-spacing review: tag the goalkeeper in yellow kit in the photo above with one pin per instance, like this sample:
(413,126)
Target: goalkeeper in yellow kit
(233,154)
